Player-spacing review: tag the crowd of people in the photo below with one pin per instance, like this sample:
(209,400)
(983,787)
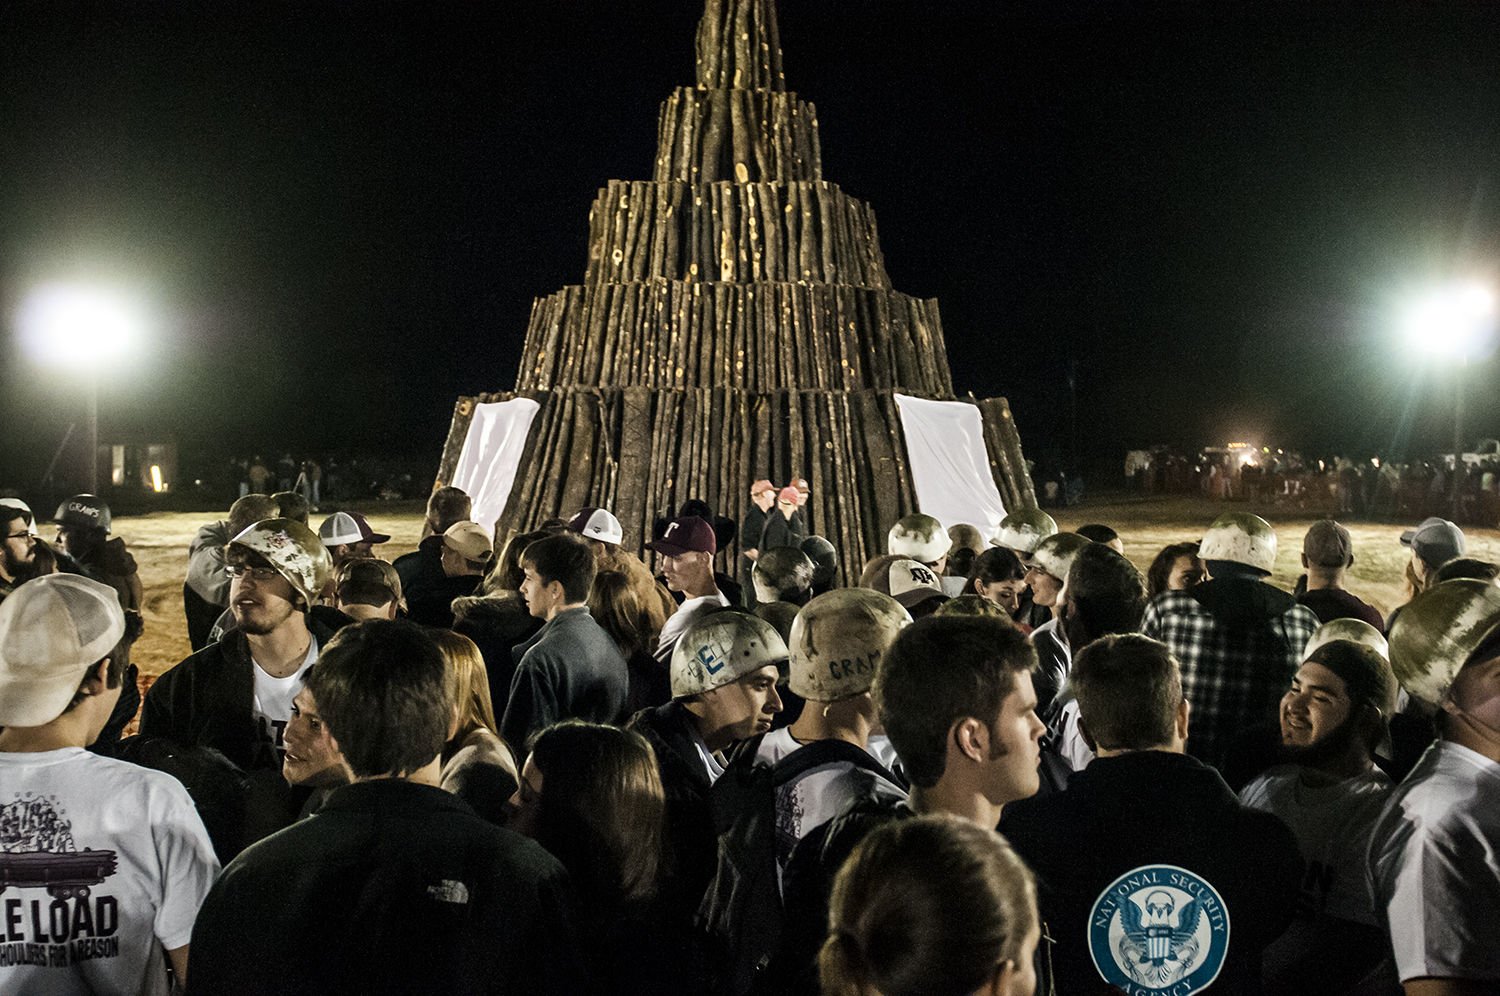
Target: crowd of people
(1339,485)
(1003,764)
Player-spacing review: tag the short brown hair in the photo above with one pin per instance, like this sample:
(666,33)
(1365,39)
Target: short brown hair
(1129,689)
(942,669)
(566,559)
(446,506)
(383,688)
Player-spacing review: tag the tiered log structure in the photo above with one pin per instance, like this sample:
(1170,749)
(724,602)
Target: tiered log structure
(735,321)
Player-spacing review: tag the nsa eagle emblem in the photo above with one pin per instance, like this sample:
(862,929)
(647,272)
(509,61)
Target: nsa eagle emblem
(1159,929)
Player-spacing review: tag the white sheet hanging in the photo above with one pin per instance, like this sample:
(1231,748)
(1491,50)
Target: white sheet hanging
(492,453)
(950,466)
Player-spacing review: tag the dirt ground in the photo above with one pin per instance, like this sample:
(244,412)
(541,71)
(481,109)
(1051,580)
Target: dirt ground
(160,541)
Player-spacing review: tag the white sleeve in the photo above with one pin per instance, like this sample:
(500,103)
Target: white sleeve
(1440,905)
(187,865)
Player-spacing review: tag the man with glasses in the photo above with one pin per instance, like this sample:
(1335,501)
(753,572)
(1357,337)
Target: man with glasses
(235,695)
(18,548)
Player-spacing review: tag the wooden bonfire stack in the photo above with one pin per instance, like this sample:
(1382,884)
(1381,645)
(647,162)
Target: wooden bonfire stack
(735,322)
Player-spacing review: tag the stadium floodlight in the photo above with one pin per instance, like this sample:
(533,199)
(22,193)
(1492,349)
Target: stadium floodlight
(84,329)
(79,325)
(1450,322)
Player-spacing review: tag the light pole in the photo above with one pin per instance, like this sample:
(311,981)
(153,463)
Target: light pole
(82,328)
(1451,323)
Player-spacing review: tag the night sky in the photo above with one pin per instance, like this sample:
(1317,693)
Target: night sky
(341,212)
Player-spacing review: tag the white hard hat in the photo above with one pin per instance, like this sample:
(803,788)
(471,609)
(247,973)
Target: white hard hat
(920,537)
(1023,529)
(1241,538)
(721,648)
(838,639)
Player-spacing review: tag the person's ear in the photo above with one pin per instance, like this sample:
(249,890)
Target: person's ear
(1184,714)
(972,738)
(1304,562)
(97,681)
(1088,738)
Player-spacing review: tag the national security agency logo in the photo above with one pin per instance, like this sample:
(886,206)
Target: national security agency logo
(1159,929)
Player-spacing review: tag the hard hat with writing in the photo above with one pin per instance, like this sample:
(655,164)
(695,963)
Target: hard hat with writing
(720,648)
(838,639)
(83,512)
(293,551)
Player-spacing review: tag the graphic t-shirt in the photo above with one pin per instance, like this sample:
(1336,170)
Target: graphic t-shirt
(1332,824)
(104,864)
(272,705)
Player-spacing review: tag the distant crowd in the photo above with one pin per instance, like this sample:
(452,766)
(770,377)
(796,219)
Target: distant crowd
(1373,488)
(1004,761)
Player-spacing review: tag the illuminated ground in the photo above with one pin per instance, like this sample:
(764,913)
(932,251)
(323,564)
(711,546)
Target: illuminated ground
(160,541)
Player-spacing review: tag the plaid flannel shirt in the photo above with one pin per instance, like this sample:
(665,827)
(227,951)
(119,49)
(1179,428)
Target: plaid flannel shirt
(1234,673)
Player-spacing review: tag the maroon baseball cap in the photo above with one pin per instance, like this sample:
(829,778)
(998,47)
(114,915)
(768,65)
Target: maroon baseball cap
(688,534)
(367,535)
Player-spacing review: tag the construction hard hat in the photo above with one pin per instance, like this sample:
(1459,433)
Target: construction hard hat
(83,512)
(1055,553)
(1023,529)
(721,648)
(1353,630)
(837,640)
(293,550)
(23,509)
(1241,538)
(780,572)
(1437,632)
(824,557)
(920,537)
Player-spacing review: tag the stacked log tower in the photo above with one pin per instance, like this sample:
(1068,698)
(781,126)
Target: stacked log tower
(735,322)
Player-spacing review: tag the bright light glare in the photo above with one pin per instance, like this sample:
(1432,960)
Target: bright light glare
(78,324)
(1451,322)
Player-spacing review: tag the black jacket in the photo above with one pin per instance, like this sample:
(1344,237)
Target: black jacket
(1146,808)
(392,887)
(206,700)
(690,825)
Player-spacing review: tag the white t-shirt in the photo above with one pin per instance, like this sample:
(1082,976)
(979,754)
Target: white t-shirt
(128,862)
(678,621)
(1332,824)
(1433,866)
(712,766)
(272,703)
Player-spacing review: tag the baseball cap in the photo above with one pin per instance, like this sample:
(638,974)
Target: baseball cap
(760,486)
(912,583)
(366,534)
(800,483)
(24,509)
(597,524)
(1436,541)
(469,540)
(338,529)
(688,534)
(1327,544)
(787,493)
(368,572)
(52,629)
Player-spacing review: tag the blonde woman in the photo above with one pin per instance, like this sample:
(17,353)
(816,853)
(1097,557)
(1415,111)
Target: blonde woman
(478,766)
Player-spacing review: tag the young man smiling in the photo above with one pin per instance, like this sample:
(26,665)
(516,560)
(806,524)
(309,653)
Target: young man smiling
(1330,794)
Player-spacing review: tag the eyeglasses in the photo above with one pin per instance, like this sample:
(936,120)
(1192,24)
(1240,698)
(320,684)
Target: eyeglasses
(254,573)
(19,535)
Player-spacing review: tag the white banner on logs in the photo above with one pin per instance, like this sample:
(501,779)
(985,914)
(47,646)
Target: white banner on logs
(950,467)
(492,453)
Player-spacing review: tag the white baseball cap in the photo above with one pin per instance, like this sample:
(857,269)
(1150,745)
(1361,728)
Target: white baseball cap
(52,629)
(597,524)
(338,529)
